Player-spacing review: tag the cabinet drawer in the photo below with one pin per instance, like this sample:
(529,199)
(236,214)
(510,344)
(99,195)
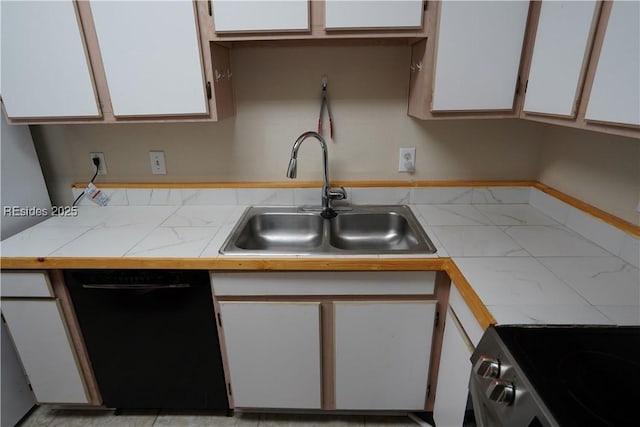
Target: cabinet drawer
(324,283)
(26,284)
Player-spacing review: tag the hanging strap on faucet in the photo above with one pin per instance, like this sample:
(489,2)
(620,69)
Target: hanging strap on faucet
(325,103)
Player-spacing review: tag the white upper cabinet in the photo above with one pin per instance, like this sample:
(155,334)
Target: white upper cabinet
(260,15)
(478,51)
(615,94)
(563,38)
(45,71)
(151,56)
(383,14)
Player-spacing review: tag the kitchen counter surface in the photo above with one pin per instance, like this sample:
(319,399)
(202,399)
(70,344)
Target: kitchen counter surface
(524,265)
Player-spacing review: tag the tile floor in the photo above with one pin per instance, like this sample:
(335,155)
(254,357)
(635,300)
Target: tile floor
(48,416)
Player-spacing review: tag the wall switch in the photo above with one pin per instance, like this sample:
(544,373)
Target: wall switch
(158,165)
(638,207)
(102,167)
(407,161)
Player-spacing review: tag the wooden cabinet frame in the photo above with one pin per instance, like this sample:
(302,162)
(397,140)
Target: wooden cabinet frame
(327,332)
(81,358)
(422,74)
(214,56)
(587,76)
(317,29)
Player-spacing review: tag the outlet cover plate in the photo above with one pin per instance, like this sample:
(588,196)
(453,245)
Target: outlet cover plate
(407,159)
(102,168)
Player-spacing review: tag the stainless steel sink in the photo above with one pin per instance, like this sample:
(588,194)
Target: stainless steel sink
(280,231)
(355,230)
(386,231)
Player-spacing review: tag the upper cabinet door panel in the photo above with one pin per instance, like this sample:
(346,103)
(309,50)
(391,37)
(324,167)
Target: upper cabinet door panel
(563,37)
(45,71)
(478,54)
(151,57)
(350,14)
(615,94)
(260,15)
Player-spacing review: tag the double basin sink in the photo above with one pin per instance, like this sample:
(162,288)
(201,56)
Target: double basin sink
(355,230)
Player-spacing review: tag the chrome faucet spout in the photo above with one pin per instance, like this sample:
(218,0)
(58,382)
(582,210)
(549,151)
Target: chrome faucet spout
(327,193)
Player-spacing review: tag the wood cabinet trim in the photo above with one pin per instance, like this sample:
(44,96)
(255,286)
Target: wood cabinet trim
(473,301)
(443,285)
(75,337)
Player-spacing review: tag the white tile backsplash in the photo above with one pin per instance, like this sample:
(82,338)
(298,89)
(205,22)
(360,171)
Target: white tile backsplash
(380,196)
(441,195)
(451,215)
(491,195)
(596,230)
(549,205)
(265,196)
(210,196)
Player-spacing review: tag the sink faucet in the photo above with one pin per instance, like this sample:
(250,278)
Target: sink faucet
(328,194)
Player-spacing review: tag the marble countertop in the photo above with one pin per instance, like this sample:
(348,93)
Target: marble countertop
(525,266)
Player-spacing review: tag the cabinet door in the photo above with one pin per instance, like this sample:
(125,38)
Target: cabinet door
(273,349)
(45,70)
(249,16)
(382,354)
(384,14)
(453,374)
(151,56)
(615,94)
(479,45)
(40,335)
(563,38)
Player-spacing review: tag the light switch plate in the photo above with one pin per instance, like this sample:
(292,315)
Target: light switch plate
(158,164)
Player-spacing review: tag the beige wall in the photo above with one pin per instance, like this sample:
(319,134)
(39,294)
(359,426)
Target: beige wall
(277,94)
(600,169)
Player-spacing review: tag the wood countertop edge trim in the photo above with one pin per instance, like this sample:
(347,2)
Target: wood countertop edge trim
(480,311)
(471,298)
(308,184)
(264,264)
(610,219)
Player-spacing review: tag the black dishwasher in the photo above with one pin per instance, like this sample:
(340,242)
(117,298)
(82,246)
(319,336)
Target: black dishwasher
(151,337)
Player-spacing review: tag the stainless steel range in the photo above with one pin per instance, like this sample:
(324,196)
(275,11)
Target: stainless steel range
(557,376)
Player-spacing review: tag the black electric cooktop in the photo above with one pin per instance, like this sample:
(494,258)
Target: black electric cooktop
(586,376)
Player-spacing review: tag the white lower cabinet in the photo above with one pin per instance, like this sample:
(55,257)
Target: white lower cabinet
(328,340)
(453,374)
(40,335)
(273,349)
(382,354)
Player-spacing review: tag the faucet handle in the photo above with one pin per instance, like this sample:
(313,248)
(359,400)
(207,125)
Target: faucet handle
(338,193)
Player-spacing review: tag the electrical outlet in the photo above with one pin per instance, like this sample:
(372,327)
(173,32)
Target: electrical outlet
(407,161)
(158,164)
(102,167)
